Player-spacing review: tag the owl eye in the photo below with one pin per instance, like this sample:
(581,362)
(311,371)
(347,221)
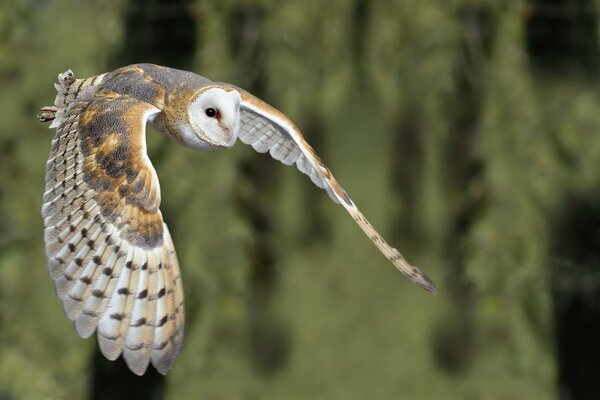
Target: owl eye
(211,112)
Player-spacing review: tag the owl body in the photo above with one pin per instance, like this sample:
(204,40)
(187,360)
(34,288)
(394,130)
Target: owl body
(170,90)
(109,251)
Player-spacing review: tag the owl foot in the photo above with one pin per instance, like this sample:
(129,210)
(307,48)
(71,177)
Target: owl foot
(49,113)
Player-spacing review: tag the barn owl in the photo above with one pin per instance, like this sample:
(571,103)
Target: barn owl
(109,251)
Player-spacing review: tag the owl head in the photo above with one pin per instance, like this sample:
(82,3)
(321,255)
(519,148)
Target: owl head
(214,116)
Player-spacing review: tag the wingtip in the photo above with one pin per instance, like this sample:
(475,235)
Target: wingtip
(423,281)
(428,285)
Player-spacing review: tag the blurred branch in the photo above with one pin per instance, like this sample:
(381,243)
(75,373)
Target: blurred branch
(407,159)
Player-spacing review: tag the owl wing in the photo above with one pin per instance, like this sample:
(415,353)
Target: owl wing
(109,253)
(267,129)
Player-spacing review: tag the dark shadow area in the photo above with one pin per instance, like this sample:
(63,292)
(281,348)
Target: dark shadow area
(113,380)
(562,35)
(159,31)
(576,297)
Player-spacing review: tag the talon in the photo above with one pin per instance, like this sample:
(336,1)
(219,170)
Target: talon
(48,115)
(45,117)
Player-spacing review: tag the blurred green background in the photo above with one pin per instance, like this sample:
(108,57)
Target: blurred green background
(466,130)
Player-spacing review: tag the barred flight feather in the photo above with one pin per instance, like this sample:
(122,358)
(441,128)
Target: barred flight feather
(108,281)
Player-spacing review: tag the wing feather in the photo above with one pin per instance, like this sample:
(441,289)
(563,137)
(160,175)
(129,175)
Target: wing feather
(267,129)
(264,135)
(110,337)
(109,252)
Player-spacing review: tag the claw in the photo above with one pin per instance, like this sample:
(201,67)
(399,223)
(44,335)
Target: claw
(48,115)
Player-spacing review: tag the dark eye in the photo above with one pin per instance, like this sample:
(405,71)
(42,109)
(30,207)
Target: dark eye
(211,112)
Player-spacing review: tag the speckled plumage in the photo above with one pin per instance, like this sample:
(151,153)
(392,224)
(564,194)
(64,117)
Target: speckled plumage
(109,251)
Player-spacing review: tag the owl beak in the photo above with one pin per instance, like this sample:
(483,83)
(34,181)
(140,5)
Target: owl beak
(227,133)
(229,136)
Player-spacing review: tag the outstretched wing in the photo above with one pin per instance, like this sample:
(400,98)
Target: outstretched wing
(109,252)
(267,129)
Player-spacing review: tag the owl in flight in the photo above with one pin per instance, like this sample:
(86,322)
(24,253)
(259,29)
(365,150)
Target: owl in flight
(109,251)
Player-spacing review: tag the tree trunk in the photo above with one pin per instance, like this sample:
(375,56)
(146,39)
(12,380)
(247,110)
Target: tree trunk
(408,150)
(268,338)
(463,179)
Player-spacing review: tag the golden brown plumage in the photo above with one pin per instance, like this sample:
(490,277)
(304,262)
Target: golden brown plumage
(109,252)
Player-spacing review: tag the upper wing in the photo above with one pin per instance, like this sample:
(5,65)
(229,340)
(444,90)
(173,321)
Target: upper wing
(267,129)
(109,252)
